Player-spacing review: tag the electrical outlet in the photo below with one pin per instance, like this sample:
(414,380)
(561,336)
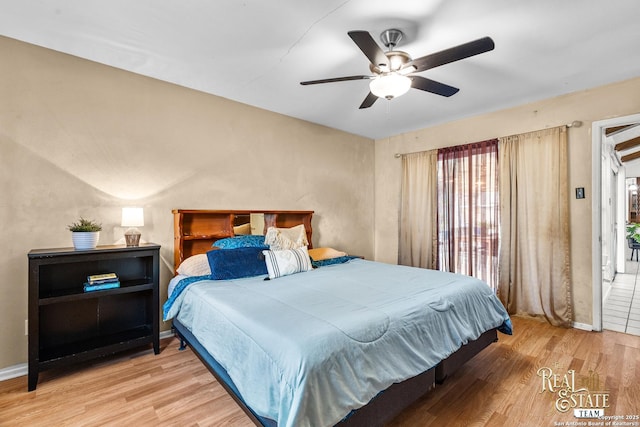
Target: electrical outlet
(26,326)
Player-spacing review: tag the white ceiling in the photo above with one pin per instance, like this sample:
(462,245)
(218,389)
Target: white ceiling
(257,52)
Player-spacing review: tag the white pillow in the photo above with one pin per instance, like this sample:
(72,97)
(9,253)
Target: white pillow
(286,238)
(196,265)
(288,261)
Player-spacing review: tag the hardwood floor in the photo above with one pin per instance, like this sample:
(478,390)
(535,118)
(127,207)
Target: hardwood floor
(499,387)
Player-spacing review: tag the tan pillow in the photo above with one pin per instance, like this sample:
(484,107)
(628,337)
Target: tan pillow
(286,238)
(196,265)
(318,254)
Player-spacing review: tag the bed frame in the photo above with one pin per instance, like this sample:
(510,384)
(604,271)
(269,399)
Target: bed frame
(194,233)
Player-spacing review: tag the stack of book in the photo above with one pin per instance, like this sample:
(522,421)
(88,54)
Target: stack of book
(99,282)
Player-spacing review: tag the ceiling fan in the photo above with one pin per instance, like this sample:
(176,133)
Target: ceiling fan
(394,70)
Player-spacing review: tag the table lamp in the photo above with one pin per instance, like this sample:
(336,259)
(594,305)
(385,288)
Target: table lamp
(132,218)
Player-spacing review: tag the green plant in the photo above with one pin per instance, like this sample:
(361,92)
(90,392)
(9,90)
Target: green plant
(85,225)
(633,232)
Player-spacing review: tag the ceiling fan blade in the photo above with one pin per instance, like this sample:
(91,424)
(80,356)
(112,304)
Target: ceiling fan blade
(453,54)
(335,79)
(370,48)
(428,85)
(368,101)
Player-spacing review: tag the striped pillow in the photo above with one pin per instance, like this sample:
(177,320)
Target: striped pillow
(288,261)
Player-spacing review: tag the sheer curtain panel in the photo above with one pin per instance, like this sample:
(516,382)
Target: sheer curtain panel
(468,210)
(534,255)
(418,214)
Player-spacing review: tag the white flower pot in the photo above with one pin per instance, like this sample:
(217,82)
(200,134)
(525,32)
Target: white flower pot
(85,239)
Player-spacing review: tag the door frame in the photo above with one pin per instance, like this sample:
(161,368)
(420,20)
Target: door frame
(597,139)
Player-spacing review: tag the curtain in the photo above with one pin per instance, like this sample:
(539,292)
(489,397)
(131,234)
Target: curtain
(468,210)
(418,215)
(534,202)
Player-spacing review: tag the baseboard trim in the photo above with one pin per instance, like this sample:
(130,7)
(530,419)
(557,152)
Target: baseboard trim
(22,369)
(166,334)
(13,371)
(583,326)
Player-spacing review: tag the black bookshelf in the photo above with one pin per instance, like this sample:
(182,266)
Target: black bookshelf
(68,325)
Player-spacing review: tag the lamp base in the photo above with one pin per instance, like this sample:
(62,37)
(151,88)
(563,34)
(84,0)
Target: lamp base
(132,237)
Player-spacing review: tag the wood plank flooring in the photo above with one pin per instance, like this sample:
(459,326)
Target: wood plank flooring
(499,387)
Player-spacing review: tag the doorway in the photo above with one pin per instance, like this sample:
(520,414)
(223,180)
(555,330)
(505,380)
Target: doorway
(615,144)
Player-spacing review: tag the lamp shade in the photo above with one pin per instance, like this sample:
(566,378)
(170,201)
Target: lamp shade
(390,85)
(132,217)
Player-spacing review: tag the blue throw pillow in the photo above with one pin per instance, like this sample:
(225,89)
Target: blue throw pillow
(246,241)
(236,263)
(332,261)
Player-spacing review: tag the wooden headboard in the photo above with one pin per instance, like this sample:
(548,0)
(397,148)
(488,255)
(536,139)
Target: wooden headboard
(194,231)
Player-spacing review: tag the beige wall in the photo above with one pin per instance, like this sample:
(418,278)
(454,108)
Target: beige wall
(79,138)
(591,105)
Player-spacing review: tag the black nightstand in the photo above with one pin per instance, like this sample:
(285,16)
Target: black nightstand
(68,325)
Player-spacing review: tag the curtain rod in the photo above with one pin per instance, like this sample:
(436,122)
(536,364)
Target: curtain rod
(573,124)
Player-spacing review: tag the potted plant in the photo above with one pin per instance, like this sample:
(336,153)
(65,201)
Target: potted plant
(633,232)
(85,233)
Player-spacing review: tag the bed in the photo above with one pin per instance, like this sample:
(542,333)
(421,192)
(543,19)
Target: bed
(350,343)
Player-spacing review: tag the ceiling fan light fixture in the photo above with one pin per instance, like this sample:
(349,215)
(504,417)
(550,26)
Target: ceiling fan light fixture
(390,85)
(392,71)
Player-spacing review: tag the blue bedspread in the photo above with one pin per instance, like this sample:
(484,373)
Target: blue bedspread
(306,349)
